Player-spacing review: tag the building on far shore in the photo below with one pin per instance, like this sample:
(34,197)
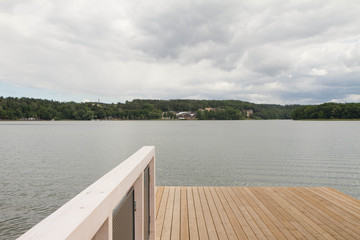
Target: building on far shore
(29,119)
(186,115)
(248,112)
(214,109)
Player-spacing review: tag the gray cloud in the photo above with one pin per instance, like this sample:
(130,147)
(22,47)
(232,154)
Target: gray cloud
(261,51)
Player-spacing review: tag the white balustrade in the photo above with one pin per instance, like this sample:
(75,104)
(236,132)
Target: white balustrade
(89,214)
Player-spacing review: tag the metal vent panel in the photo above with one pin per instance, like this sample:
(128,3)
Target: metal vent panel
(123,218)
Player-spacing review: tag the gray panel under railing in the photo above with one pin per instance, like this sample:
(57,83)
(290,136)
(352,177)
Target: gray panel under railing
(123,218)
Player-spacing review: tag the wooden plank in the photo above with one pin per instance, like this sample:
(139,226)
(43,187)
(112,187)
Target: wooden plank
(302,229)
(161,213)
(240,234)
(317,231)
(323,220)
(175,228)
(254,227)
(166,230)
(264,228)
(240,218)
(207,215)
(193,229)
(184,224)
(220,230)
(288,217)
(252,200)
(159,193)
(199,215)
(224,217)
(337,220)
(356,223)
(276,226)
(346,204)
(267,201)
(337,211)
(189,213)
(347,199)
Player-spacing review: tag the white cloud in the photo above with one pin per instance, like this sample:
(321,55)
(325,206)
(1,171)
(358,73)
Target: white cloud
(318,72)
(348,99)
(263,51)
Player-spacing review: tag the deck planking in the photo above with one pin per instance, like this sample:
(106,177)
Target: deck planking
(202,213)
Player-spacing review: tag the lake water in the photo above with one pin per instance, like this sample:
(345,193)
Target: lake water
(45,164)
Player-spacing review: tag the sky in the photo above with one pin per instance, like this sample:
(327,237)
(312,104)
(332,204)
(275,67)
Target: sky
(263,51)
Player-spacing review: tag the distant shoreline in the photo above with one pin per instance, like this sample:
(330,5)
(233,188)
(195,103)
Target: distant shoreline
(328,120)
(179,120)
(30,109)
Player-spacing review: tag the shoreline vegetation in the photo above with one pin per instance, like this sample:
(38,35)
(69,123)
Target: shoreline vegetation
(327,111)
(30,109)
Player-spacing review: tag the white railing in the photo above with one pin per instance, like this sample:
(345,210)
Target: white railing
(89,214)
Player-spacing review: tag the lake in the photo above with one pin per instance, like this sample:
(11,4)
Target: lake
(45,164)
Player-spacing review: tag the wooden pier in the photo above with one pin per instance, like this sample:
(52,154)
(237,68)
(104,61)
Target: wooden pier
(255,213)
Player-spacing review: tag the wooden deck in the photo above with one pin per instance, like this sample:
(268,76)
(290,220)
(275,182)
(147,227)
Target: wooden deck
(255,213)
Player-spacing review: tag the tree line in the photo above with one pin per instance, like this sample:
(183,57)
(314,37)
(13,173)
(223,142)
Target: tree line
(327,111)
(12,108)
(230,109)
(29,108)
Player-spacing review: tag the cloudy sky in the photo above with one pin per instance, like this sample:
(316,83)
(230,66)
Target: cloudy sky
(270,51)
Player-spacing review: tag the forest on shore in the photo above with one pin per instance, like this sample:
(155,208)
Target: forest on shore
(327,111)
(12,108)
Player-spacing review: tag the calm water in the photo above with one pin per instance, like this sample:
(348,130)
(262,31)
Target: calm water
(44,164)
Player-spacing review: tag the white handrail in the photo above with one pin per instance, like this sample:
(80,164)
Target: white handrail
(89,214)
